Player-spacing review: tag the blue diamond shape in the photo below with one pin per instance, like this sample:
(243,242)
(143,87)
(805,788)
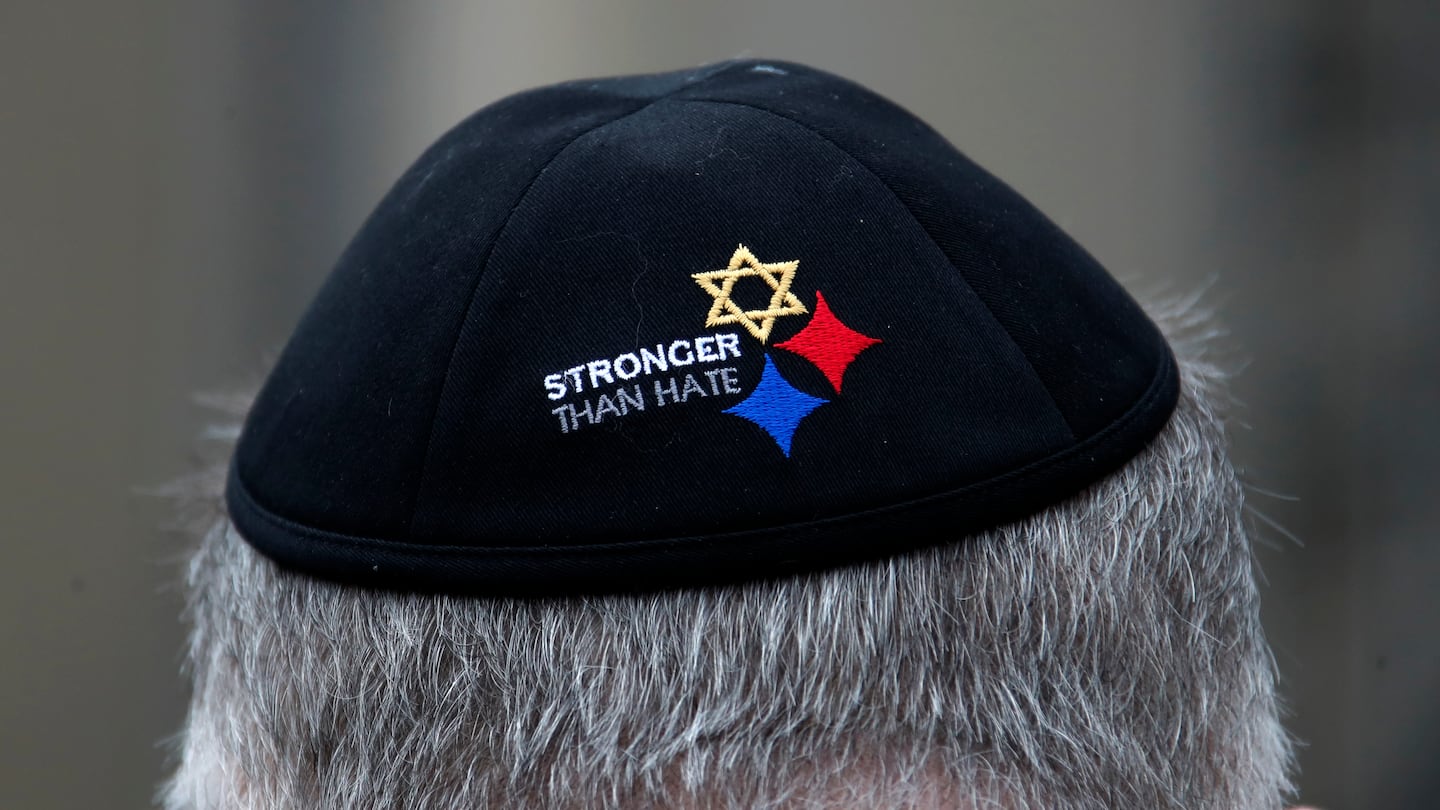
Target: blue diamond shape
(777,406)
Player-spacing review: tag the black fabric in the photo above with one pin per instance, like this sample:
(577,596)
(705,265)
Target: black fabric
(942,357)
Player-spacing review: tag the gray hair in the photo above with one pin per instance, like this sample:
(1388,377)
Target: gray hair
(1104,653)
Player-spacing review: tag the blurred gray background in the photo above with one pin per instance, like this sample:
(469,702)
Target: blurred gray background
(176,177)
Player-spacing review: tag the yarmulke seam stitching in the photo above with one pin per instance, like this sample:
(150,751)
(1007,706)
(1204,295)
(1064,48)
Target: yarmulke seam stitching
(1158,386)
(862,164)
(480,275)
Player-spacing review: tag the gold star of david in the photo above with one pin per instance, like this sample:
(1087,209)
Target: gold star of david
(757,322)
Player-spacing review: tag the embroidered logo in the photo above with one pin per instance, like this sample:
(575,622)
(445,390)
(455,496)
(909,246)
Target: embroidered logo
(675,373)
(743,264)
(775,405)
(828,343)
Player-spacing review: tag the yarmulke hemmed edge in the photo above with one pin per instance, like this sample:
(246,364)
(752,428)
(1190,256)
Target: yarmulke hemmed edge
(666,563)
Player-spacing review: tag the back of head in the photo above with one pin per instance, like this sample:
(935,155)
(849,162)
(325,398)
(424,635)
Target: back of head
(1105,652)
(1060,613)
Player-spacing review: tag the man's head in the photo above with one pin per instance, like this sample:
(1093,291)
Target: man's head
(944,545)
(1106,652)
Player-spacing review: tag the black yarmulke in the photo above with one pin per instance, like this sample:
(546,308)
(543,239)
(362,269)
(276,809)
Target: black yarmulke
(685,328)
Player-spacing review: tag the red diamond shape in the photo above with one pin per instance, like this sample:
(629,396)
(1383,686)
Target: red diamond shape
(828,343)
